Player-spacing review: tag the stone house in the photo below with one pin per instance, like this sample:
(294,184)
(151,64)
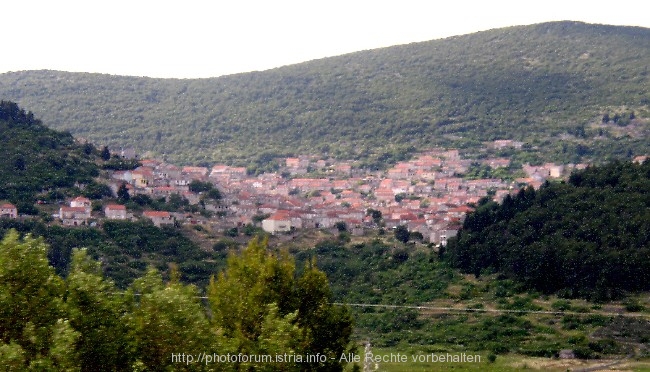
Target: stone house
(115,212)
(8,210)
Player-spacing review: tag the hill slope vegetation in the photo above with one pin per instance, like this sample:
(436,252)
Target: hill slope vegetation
(589,237)
(35,159)
(548,84)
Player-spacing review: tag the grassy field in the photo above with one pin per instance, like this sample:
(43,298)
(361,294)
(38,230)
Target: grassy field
(419,306)
(414,360)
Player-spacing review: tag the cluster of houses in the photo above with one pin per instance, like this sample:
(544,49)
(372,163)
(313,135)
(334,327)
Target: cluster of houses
(425,194)
(78,213)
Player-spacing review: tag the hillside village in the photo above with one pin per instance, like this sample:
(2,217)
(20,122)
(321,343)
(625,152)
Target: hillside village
(428,194)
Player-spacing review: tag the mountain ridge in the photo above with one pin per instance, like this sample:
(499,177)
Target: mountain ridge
(521,82)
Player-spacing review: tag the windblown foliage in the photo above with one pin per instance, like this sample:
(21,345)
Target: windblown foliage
(260,286)
(84,323)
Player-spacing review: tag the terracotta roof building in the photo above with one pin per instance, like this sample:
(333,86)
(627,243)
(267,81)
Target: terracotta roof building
(8,210)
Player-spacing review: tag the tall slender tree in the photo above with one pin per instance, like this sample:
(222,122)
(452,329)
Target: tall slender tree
(260,303)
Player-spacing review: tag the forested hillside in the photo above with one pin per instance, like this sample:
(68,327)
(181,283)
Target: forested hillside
(49,166)
(571,90)
(589,237)
(126,249)
(36,159)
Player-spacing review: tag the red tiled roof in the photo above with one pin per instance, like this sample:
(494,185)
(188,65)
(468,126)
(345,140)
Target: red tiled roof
(280,216)
(159,214)
(462,209)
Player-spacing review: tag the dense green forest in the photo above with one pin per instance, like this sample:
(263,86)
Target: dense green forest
(589,237)
(572,91)
(125,249)
(256,306)
(36,160)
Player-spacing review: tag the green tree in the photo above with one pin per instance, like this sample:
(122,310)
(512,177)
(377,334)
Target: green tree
(168,318)
(402,234)
(213,194)
(105,154)
(375,214)
(176,202)
(326,328)
(95,190)
(96,309)
(33,332)
(200,186)
(12,357)
(416,235)
(123,194)
(258,218)
(88,148)
(566,238)
(258,303)
(239,295)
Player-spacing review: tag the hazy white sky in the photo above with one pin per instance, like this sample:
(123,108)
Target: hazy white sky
(196,38)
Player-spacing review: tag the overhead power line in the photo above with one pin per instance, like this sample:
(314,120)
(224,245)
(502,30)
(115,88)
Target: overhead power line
(498,311)
(443,309)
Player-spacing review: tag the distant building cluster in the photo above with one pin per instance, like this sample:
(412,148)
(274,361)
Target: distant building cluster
(78,213)
(425,194)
